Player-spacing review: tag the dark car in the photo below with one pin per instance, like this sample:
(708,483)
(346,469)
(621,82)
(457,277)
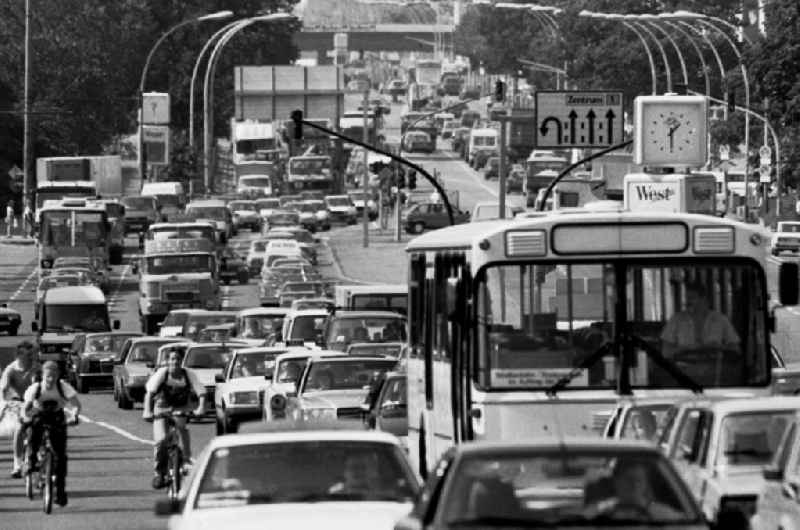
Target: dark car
(233,266)
(10,320)
(429,215)
(92,357)
(554,484)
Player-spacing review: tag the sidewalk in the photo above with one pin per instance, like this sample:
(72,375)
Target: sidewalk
(383,261)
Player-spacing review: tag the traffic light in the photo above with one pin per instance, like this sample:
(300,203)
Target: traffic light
(401,180)
(499,91)
(412,180)
(731,100)
(297,118)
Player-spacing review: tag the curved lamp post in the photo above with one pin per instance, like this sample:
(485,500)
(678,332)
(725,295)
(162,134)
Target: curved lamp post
(697,50)
(220,15)
(208,109)
(633,19)
(652,21)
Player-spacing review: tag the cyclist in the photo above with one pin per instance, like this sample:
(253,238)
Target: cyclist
(16,379)
(44,406)
(171,388)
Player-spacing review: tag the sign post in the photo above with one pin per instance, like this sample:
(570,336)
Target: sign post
(578,119)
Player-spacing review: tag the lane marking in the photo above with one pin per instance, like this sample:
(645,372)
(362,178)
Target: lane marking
(22,286)
(474,174)
(117,430)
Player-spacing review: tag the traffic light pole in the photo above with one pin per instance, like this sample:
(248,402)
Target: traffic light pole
(297,117)
(365,176)
(501,168)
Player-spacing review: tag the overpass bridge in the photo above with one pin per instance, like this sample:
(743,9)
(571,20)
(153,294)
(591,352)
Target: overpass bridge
(376,37)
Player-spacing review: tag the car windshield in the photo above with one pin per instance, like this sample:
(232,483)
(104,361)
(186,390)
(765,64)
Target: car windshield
(106,343)
(576,316)
(196,323)
(290,370)
(268,204)
(284,219)
(390,350)
(296,287)
(208,212)
(316,205)
(160,234)
(76,317)
(179,263)
(144,352)
(305,471)
(307,327)
(642,421)
(569,487)
(168,199)
(175,319)
(344,375)
(242,205)
(212,357)
(139,203)
(359,196)
(345,330)
(309,166)
(751,438)
(300,305)
(338,201)
(392,302)
(259,246)
(63,281)
(257,182)
(253,364)
(260,326)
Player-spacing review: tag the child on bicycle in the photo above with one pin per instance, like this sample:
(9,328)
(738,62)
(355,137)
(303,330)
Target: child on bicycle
(44,406)
(16,379)
(171,388)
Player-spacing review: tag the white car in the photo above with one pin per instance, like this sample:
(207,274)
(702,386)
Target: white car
(321,213)
(256,325)
(245,214)
(721,446)
(288,368)
(779,501)
(267,206)
(207,360)
(304,326)
(240,388)
(341,209)
(259,480)
(786,238)
(636,418)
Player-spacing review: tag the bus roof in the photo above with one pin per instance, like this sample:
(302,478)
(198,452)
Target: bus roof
(581,229)
(74,295)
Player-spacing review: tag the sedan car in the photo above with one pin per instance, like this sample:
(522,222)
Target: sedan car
(245,215)
(10,320)
(173,323)
(342,209)
(333,388)
(283,218)
(266,206)
(355,479)
(558,484)
(134,367)
(92,357)
(786,238)
(239,393)
(321,213)
(308,215)
(418,142)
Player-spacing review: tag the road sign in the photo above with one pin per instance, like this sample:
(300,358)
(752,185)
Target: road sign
(16,173)
(724,152)
(578,119)
(764,174)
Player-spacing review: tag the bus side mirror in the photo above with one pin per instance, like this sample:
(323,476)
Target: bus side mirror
(789,283)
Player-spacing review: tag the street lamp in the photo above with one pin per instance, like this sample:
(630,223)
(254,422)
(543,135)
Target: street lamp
(219,15)
(694,44)
(208,109)
(633,19)
(651,20)
(603,16)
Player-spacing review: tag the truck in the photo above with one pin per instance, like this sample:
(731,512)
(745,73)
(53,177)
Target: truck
(104,171)
(256,178)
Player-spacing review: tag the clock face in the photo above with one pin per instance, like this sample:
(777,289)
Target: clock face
(672,133)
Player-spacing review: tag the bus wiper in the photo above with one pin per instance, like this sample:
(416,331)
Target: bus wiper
(586,363)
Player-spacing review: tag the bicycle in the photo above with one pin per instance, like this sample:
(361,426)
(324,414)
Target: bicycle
(172,442)
(44,477)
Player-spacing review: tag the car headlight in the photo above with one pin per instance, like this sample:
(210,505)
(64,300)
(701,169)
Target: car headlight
(243,398)
(743,503)
(322,413)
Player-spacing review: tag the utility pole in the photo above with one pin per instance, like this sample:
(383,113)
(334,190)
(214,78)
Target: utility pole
(501,167)
(26,127)
(365,211)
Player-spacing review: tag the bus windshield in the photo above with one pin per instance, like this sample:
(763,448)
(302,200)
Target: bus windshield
(57,228)
(707,319)
(179,263)
(73,317)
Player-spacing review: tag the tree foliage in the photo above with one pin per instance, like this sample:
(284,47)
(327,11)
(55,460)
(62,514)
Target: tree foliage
(87,58)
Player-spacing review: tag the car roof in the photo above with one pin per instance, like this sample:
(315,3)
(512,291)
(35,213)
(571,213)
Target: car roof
(291,432)
(191,311)
(367,314)
(198,345)
(263,349)
(560,444)
(216,327)
(115,332)
(343,357)
(266,311)
(755,404)
(207,313)
(151,338)
(74,295)
(307,312)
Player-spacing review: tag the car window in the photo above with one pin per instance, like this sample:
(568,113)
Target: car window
(212,357)
(751,438)
(347,375)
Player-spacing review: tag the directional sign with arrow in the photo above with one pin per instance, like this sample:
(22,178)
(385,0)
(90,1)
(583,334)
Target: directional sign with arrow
(578,119)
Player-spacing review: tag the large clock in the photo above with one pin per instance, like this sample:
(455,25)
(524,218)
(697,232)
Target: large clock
(670,131)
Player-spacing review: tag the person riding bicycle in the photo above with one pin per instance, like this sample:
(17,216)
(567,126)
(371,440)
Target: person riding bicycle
(171,388)
(44,407)
(16,378)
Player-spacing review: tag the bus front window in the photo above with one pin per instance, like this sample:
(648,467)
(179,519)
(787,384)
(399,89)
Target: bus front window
(539,323)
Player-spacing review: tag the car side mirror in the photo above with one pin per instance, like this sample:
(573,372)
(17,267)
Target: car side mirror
(165,507)
(117,324)
(789,283)
(34,327)
(772,473)
(219,378)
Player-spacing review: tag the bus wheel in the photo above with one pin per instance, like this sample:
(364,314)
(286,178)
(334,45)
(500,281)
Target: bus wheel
(423,457)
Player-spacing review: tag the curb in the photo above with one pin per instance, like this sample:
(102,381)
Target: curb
(338,265)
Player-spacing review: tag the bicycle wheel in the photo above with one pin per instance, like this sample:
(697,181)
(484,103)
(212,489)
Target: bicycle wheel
(47,481)
(175,475)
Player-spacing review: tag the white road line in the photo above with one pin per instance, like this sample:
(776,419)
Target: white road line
(117,430)
(21,288)
(472,173)
(115,294)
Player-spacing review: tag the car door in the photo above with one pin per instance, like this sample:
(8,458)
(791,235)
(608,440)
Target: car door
(392,408)
(685,452)
(778,503)
(438,216)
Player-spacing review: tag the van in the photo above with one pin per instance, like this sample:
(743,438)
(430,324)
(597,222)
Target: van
(170,195)
(485,140)
(281,248)
(66,312)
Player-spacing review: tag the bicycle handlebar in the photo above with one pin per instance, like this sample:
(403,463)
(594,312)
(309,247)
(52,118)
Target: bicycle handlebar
(173,414)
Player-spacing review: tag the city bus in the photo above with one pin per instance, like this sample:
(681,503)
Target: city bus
(531,328)
(73,227)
